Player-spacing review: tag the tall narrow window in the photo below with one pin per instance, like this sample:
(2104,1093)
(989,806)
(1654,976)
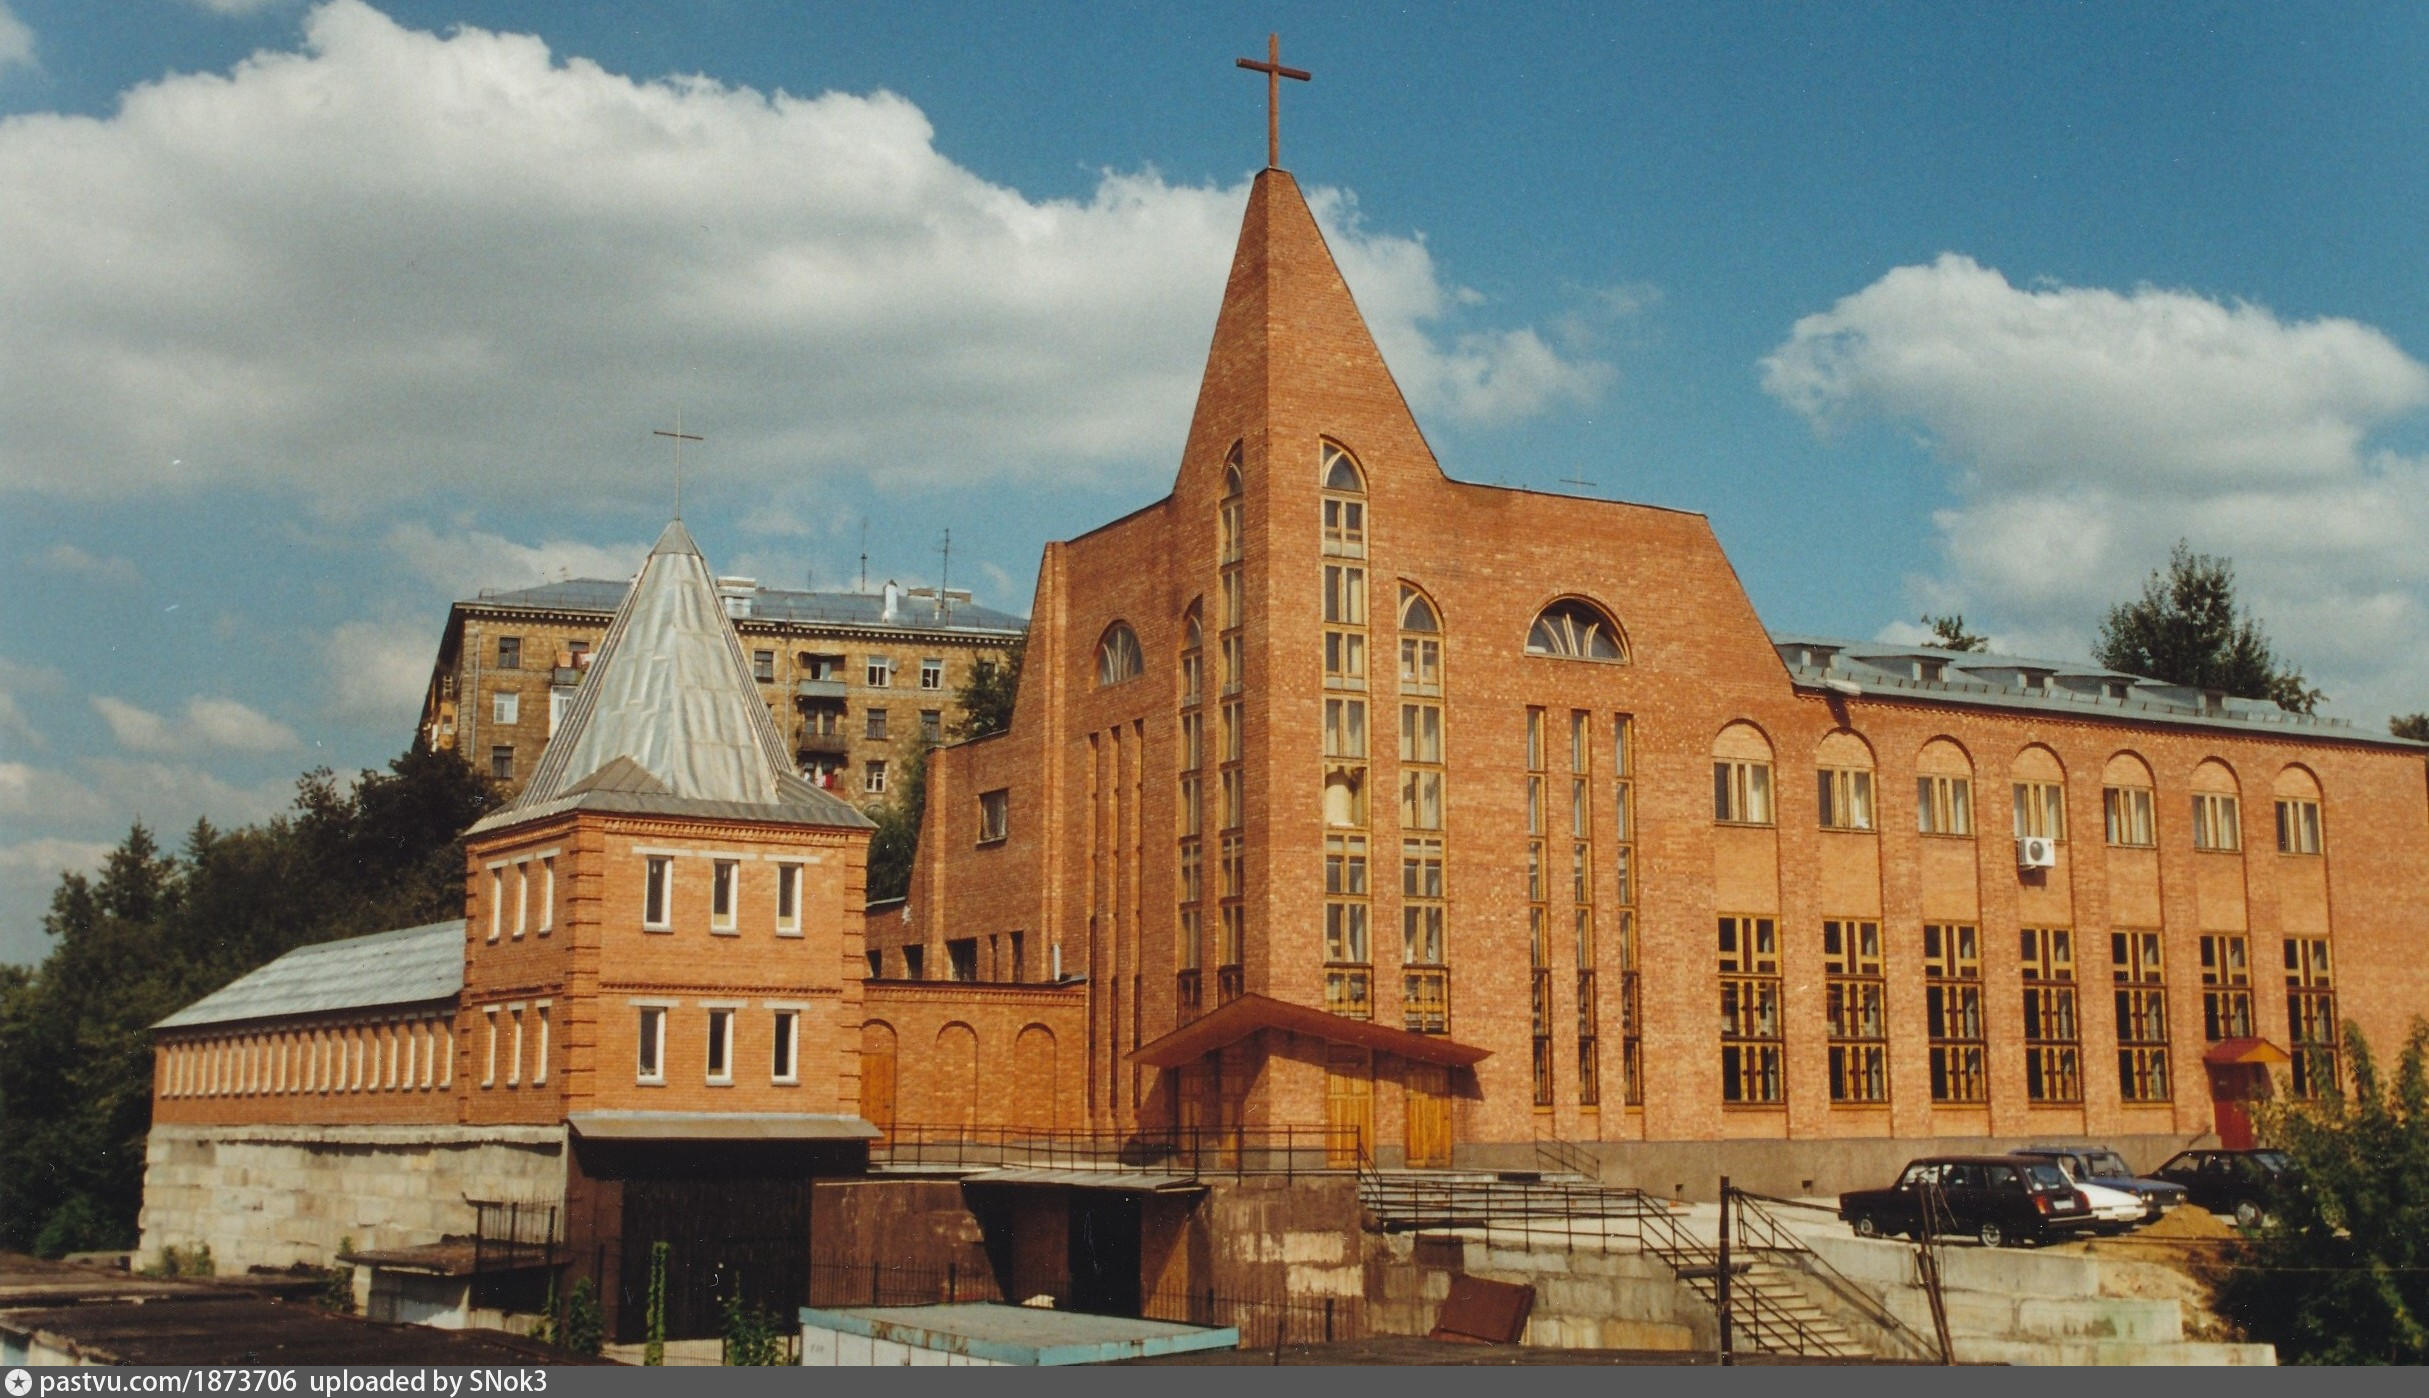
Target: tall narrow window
(1189,952)
(514,1058)
(522,897)
(497,900)
(2311,1017)
(548,895)
(489,1053)
(1952,1003)
(724,874)
(1752,1037)
(1856,1000)
(720,1046)
(2053,1067)
(1348,975)
(1582,909)
(657,892)
(650,1065)
(1231,776)
(1344,510)
(539,1061)
(2298,827)
(1623,858)
(2226,987)
(2142,1016)
(1424,906)
(786,1064)
(788,899)
(1539,912)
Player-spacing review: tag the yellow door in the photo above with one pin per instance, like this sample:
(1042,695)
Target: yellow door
(1429,1116)
(1349,1106)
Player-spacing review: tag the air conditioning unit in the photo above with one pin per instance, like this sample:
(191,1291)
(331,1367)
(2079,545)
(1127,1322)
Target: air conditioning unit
(2036,852)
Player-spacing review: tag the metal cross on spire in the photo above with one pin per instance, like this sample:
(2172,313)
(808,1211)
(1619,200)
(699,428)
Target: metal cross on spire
(1274,74)
(680,436)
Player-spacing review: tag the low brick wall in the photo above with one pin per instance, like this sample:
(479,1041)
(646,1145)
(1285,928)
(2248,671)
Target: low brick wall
(273,1196)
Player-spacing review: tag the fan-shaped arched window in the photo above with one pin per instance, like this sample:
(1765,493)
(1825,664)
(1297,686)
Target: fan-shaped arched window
(1117,656)
(1574,629)
(1341,471)
(1417,614)
(1231,472)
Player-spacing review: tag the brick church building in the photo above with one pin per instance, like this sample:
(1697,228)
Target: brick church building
(1463,817)
(1433,819)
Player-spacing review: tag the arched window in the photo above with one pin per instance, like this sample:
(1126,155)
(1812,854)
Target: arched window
(1420,643)
(1341,471)
(1117,656)
(1575,629)
(1416,613)
(1231,473)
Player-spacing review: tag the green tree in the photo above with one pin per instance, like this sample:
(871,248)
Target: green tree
(986,698)
(2413,726)
(1949,633)
(585,1324)
(653,1346)
(2186,629)
(894,846)
(153,931)
(2340,1272)
(749,1333)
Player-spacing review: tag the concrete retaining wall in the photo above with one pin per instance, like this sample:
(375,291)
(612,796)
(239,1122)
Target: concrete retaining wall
(1583,1300)
(1788,1168)
(273,1196)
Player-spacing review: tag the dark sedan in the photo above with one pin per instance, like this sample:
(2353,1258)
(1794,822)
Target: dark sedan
(2236,1183)
(2104,1167)
(1997,1199)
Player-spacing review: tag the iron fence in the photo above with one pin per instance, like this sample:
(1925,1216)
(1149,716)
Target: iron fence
(1189,1151)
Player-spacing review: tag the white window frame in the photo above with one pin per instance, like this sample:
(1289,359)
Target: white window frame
(649,1042)
(665,920)
(539,1067)
(719,1044)
(505,707)
(789,885)
(787,1070)
(873,777)
(932,672)
(497,899)
(724,882)
(489,1069)
(878,672)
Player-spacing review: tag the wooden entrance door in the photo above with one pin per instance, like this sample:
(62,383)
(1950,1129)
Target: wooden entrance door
(1429,1116)
(1349,1106)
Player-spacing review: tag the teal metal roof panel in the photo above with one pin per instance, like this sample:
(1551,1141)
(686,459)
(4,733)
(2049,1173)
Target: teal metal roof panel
(411,965)
(1021,1334)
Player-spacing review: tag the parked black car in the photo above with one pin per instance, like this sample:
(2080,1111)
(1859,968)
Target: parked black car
(2104,1167)
(2230,1182)
(1995,1198)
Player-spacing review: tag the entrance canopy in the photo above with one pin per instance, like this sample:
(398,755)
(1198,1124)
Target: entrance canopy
(1249,1013)
(2253,1051)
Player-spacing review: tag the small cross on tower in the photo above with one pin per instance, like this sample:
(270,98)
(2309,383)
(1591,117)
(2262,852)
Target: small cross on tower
(1274,74)
(680,437)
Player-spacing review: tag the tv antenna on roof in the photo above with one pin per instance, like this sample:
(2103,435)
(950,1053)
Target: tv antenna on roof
(1577,480)
(943,602)
(864,555)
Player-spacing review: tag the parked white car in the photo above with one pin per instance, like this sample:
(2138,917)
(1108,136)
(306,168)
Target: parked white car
(2114,1209)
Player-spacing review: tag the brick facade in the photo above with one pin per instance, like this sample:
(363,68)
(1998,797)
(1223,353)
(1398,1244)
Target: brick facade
(1088,872)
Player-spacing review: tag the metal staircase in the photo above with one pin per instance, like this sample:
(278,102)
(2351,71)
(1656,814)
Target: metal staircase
(1771,1304)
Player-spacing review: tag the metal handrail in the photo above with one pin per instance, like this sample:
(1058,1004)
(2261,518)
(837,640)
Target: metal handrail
(1764,1233)
(1189,1152)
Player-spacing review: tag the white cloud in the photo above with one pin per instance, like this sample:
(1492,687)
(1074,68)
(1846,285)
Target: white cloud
(208,725)
(76,563)
(16,41)
(238,8)
(2088,430)
(379,670)
(463,563)
(15,727)
(395,262)
(47,859)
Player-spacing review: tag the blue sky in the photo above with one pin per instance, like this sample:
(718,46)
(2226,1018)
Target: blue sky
(322,315)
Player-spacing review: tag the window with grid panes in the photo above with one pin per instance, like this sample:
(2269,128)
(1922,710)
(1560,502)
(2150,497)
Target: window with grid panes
(2053,1054)
(2142,1016)
(1855,996)
(1944,805)
(2127,812)
(1344,510)
(1539,913)
(1581,899)
(1189,951)
(2226,987)
(1623,859)
(1752,1036)
(2298,827)
(2311,1017)
(2040,810)
(1845,796)
(1952,1005)
(2216,822)
(1346,952)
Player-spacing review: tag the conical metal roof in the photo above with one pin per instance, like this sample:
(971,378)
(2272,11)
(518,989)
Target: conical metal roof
(668,717)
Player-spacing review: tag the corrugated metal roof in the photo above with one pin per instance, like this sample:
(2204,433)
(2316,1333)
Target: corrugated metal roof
(1120,1181)
(2071,688)
(911,613)
(405,967)
(669,717)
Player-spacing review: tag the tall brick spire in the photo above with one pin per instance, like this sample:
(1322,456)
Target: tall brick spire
(1291,353)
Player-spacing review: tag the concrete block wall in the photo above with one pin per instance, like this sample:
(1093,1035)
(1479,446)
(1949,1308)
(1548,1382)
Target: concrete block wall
(273,1196)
